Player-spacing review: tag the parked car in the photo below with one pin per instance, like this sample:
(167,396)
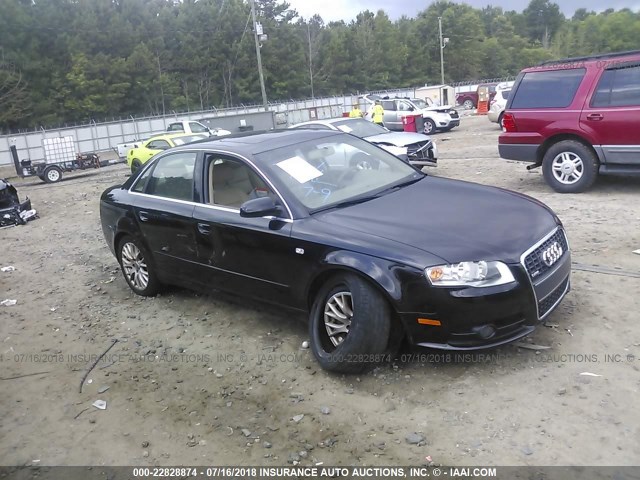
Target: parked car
(138,156)
(191,126)
(576,118)
(469,99)
(371,255)
(416,148)
(442,118)
(499,102)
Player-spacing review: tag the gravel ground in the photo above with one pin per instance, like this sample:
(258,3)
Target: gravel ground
(213,380)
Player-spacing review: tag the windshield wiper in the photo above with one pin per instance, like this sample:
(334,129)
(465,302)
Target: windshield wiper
(366,198)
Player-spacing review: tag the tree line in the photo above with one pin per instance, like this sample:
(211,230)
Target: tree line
(70,61)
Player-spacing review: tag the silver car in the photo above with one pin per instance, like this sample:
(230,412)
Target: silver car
(415,148)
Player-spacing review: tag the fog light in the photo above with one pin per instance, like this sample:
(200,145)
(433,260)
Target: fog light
(485,331)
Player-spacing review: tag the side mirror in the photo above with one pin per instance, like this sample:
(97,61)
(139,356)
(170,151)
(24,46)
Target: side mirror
(259,207)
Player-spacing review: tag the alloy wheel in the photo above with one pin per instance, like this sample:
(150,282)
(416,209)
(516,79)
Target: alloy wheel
(567,168)
(134,266)
(338,312)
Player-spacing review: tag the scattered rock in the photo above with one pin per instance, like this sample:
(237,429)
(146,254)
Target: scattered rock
(103,389)
(562,391)
(527,450)
(325,410)
(414,438)
(145,444)
(246,433)
(266,445)
(297,418)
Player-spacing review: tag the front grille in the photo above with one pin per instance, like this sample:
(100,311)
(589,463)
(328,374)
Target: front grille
(419,150)
(533,261)
(544,306)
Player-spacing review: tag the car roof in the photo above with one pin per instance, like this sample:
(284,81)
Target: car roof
(253,143)
(604,61)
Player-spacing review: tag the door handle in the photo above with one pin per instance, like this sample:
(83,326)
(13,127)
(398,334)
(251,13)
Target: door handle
(596,117)
(143,216)
(204,228)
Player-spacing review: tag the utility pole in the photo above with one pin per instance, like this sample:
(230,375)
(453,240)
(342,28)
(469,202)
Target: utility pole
(310,60)
(255,36)
(442,43)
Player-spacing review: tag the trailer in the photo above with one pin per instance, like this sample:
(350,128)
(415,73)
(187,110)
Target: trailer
(60,156)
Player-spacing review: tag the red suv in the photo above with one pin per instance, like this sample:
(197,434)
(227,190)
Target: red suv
(576,118)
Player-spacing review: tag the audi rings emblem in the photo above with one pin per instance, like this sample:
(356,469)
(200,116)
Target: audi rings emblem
(552,254)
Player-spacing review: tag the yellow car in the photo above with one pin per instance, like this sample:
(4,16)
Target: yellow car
(141,155)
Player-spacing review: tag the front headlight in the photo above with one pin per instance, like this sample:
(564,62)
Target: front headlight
(469,274)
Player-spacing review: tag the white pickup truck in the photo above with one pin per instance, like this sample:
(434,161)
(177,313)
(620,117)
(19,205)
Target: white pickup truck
(191,126)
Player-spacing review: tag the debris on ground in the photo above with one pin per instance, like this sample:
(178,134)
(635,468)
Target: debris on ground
(589,374)
(12,212)
(9,268)
(100,404)
(414,438)
(8,302)
(637,252)
(298,418)
(531,346)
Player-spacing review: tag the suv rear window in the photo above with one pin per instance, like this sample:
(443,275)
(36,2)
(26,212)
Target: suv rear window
(618,88)
(549,89)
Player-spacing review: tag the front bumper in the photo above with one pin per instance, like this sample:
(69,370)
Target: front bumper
(478,318)
(424,157)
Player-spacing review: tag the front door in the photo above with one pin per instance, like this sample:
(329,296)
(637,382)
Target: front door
(248,256)
(613,114)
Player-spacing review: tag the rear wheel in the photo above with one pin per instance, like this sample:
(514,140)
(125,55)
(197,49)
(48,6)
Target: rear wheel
(52,174)
(349,325)
(570,167)
(468,104)
(429,126)
(137,267)
(135,165)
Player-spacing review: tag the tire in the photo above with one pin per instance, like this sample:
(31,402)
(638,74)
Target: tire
(468,104)
(52,174)
(429,126)
(137,267)
(368,330)
(135,165)
(570,167)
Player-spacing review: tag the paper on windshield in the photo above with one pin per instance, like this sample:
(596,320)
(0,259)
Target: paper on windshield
(299,169)
(345,128)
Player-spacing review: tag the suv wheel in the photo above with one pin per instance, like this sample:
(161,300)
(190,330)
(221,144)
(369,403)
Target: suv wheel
(429,126)
(570,167)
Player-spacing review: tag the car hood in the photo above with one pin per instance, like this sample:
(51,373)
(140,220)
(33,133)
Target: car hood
(438,108)
(400,139)
(451,219)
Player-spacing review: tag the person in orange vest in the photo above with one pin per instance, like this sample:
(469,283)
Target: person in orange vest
(355,112)
(377,113)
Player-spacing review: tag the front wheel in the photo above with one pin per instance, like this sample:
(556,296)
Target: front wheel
(570,167)
(429,126)
(137,267)
(349,325)
(468,104)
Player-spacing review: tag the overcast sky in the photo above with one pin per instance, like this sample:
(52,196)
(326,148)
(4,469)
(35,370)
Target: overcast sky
(348,9)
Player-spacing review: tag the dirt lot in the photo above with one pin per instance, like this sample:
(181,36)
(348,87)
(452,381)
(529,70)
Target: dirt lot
(212,380)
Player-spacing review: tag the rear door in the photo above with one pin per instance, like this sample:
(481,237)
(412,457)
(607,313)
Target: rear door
(163,208)
(391,119)
(613,113)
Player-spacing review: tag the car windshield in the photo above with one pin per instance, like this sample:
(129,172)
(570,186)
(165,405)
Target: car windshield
(186,139)
(360,128)
(333,171)
(418,102)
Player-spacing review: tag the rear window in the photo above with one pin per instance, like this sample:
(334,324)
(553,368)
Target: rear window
(549,89)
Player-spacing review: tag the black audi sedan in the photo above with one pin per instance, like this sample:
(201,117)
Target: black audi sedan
(324,222)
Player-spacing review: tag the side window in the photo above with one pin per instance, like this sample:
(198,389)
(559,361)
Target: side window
(389,105)
(197,128)
(172,176)
(158,145)
(618,88)
(141,183)
(548,89)
(175,127)
(404,107)
(231,182)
